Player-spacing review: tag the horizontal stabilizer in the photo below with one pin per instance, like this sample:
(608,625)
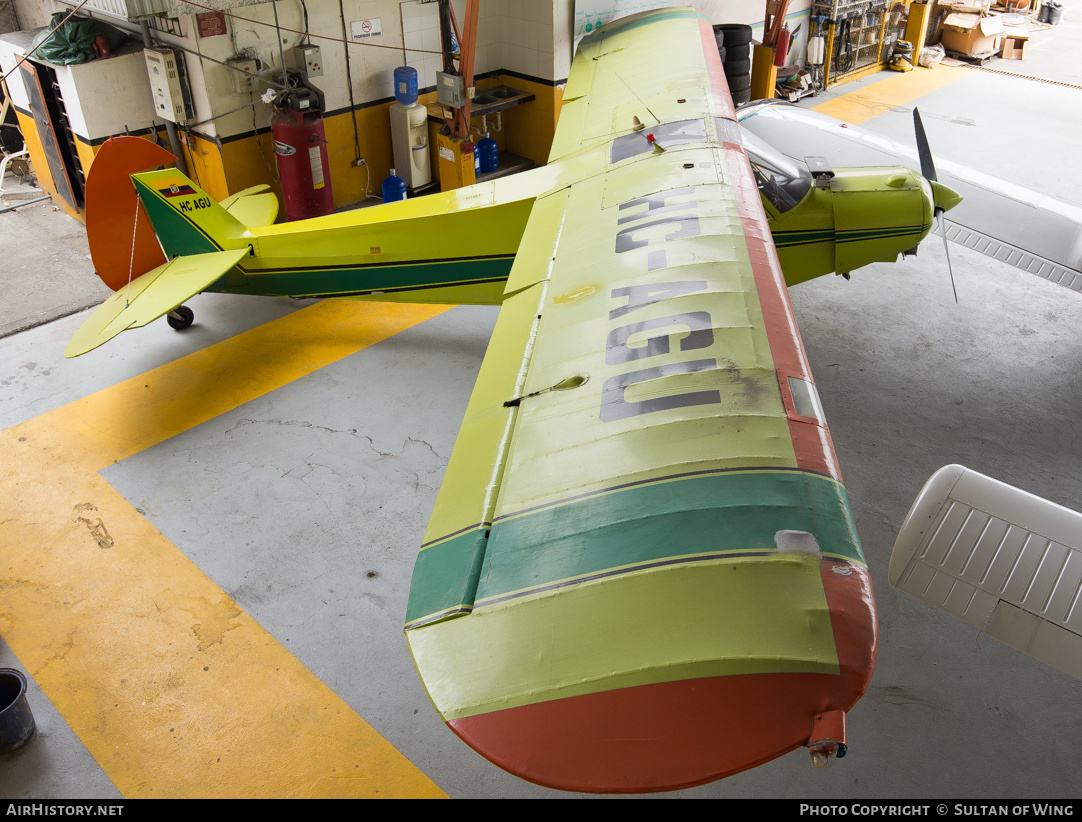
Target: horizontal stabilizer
(157,292)
(998,558)
(255,207)
(231,200)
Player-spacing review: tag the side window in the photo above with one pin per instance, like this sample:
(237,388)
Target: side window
(774,191)
(783,183)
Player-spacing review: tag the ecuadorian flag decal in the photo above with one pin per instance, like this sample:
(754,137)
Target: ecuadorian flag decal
(176,186)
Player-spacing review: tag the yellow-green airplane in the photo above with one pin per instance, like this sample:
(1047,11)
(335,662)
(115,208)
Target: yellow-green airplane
(642,572)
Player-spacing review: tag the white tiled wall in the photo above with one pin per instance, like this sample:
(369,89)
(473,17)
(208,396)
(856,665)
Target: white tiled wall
(421,37)
(520,36)
(511,34)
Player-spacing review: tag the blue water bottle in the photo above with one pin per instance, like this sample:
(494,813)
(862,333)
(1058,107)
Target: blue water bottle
(405,85)
(489,154)
(394,188)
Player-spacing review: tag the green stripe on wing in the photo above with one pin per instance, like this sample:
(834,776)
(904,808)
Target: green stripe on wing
(663,522)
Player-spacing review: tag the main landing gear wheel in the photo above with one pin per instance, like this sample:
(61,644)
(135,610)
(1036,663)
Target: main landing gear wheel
(180,317)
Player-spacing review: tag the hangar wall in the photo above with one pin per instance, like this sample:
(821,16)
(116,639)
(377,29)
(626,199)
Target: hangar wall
(228,144)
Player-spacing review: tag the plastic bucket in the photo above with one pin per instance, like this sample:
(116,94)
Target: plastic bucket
(16,720)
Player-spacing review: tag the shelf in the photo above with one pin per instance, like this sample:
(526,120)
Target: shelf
(487,101)
(508,164)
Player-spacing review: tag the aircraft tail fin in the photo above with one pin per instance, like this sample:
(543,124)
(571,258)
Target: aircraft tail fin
(186,219)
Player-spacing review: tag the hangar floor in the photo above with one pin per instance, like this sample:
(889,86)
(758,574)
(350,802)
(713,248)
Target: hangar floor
(208,536)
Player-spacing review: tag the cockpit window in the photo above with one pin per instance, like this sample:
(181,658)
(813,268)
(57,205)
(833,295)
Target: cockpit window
(782,182)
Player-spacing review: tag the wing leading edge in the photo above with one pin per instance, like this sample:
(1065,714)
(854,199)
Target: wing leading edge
(642,572)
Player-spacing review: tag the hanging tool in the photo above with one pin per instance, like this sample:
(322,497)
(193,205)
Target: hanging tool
(843,46)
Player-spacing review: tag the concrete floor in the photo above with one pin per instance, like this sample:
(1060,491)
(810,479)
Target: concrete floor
(301,489)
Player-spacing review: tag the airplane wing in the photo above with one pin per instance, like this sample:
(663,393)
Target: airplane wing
(150,296)
(642,572)
(1029,230)
(998,558)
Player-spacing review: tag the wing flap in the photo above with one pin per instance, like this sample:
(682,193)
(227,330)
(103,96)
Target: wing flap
(446,572)
(997,558)
(157,292)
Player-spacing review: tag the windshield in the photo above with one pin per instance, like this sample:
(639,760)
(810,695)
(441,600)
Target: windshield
(782,182)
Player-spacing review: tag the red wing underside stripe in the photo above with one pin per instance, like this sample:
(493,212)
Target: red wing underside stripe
(686,732)
(811,442)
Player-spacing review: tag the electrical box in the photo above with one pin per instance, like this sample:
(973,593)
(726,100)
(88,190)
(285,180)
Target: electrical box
(307,58)
(450,90)
(167,86)
(246,81)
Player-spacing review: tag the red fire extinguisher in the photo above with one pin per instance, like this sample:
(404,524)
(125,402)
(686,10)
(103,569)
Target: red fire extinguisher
(300,144)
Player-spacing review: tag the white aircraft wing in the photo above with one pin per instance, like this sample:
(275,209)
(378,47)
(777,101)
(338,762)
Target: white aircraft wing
(998,558)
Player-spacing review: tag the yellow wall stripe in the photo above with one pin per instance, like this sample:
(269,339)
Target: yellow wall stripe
(895,89)
(171,686)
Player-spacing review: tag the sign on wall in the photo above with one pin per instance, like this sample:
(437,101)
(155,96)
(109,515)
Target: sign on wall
(363,29)
(211,24)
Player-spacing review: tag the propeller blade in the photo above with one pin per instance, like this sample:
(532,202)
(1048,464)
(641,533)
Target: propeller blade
(927,165)
(927,170)
(946,249)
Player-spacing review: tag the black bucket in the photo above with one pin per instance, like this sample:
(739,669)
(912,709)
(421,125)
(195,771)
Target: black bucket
(16,721)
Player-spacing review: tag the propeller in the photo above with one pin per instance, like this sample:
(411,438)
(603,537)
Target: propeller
(927,169)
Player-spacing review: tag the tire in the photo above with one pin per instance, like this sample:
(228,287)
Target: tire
(180,317)
(735,67)
(721,53)
(736,34)
(741,96)
(739,82)
(738,52)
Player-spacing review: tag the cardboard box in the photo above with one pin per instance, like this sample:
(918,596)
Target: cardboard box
(1014,47)
(970,33)
(964,5)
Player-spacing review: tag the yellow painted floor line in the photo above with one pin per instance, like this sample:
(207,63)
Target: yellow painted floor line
(899,89)
(175,690)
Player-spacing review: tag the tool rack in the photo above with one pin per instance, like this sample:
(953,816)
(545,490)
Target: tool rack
(860,35)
